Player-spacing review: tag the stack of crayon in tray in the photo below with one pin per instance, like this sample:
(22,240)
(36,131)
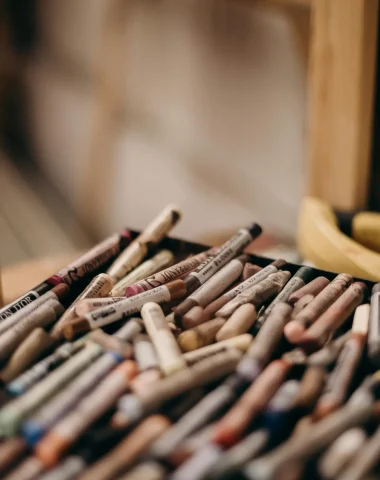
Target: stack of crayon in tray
(152,358)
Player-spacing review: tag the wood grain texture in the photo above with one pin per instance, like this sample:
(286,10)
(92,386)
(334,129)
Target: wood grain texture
(341,95)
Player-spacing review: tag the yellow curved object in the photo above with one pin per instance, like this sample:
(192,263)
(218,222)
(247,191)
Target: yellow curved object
(366,229)
(321,242)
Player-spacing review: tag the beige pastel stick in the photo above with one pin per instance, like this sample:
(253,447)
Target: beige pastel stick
(365,460)
(242,342)
(213,287)
(312,383)
(25,355)
(239,322)
(44,315)
(308,315)
(341,376)
(201,335)
(126,452)
(341,452)
(137,250)
(167,349)
(302,303)
(261,275)
(59,292)
(147,362)
(249,270)
(256,294)
(100,286)
(195,316)
(161,260)
(312,288)
(88,305)
(334,316)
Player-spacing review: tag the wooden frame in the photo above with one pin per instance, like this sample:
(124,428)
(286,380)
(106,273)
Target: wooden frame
(341,72)
(341,100)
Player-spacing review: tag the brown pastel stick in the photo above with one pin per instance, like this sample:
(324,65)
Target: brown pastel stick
(29,350)
(201,335)
(217,304)
(312,288)
(321,358)
(302,303)
(256,294)
(340,378)
(44,315)
(308,315)
(126,452)
(269,336)
(334,316)
(195,316)
(213,287)
(100,286)
(239,322)
(229,429)
(311,387)
(249,270)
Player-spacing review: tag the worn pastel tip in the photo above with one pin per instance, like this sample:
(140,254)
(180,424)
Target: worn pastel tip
(15,388)
(132,290)
(32,432)
(50,449)
(75,327)
(224,435)
(322,410)
(294,331)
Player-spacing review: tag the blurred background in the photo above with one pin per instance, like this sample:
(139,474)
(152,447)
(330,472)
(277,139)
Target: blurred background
(207,106)
(110,109)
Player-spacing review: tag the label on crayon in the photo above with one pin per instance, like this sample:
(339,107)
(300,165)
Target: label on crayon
(124,308)
(166,276)
(250,282)
(42,368)
(18,304)
(89,262)
(226,253)
(216,284)
(52,383)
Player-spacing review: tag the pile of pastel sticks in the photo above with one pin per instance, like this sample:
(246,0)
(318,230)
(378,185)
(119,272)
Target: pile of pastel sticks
(144,362)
